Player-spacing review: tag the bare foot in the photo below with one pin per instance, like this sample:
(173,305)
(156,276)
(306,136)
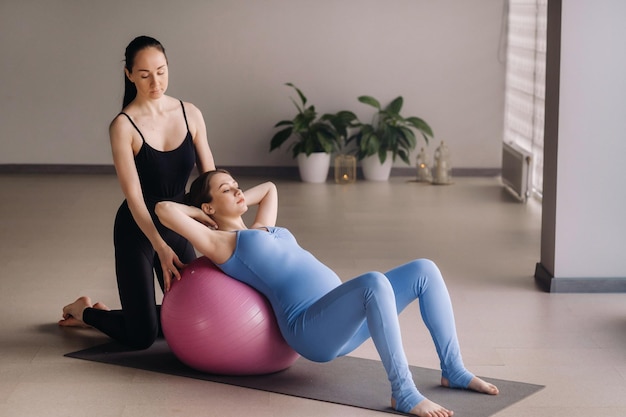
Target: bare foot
(73,313)
(478,385)
(427,408)
(72,322)
(100,306)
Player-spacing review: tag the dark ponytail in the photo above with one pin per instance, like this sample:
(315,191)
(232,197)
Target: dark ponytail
(130,92)
(136,45)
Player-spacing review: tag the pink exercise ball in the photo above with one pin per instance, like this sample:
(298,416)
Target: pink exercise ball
(216,324)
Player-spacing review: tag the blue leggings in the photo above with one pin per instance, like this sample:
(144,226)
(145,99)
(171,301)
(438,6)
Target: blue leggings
(369,305)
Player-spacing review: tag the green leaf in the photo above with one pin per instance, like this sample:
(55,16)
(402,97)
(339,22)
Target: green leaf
(310,113)
(298,148)
(327,131)
(404,156)
(302,97)
(382,155)
(420,125)
(370,101)
(372,144)
(325,142)
(302,121)
(346,116)
(409,140)
(280,137)
(300,109)
(395,106)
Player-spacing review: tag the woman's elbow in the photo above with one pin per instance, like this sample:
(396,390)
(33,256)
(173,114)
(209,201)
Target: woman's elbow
(271,187)
(162,208)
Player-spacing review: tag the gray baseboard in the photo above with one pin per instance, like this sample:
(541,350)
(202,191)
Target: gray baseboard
(549,283)
(285,172)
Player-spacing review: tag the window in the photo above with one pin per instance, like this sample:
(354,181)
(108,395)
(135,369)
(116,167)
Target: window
(525,81)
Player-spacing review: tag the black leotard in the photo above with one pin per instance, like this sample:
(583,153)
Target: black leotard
(163,176)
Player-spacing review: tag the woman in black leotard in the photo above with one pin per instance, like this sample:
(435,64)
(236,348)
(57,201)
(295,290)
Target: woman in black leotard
(155,140)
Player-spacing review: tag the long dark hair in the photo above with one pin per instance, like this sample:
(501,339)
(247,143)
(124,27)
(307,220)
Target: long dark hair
(136,45)
(200,189)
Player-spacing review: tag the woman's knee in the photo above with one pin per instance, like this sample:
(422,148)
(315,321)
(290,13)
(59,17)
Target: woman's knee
(376,282)
(142,339)
(425,266)
(415,276)
(142,331)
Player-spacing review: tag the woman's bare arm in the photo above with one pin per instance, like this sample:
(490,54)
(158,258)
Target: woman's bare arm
(191,223)
(266,196)
(197,127)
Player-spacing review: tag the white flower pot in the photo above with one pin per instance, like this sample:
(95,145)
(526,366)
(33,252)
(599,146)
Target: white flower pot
(373,170)
(314,168)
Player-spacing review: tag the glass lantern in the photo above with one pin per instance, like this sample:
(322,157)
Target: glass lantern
(442,173)
(423,170)
(345,169)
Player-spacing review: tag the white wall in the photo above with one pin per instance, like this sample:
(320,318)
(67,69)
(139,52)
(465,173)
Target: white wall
(61,70)
(590,231)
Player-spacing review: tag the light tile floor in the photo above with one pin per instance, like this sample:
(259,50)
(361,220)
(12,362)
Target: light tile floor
(56,245)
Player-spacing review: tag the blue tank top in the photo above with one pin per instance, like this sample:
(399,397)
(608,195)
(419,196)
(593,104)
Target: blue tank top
(163,175)
(274,263)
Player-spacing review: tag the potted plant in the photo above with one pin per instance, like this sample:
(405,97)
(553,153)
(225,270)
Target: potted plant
(388,136)
(316,138)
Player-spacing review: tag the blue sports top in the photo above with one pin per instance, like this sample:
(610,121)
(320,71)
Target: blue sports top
(273,263)
(163,174)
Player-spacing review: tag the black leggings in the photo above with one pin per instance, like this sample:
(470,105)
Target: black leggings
(137,324)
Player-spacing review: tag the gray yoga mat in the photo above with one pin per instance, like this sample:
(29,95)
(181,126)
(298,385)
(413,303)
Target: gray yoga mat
(348,380)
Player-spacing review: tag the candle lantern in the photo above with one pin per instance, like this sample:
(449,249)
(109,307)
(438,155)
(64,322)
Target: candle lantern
(423,170)
(345,169)
(442,173)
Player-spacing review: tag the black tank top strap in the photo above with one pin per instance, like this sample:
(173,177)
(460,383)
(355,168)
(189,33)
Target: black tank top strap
(163,175)
(184,114)
(135,126)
